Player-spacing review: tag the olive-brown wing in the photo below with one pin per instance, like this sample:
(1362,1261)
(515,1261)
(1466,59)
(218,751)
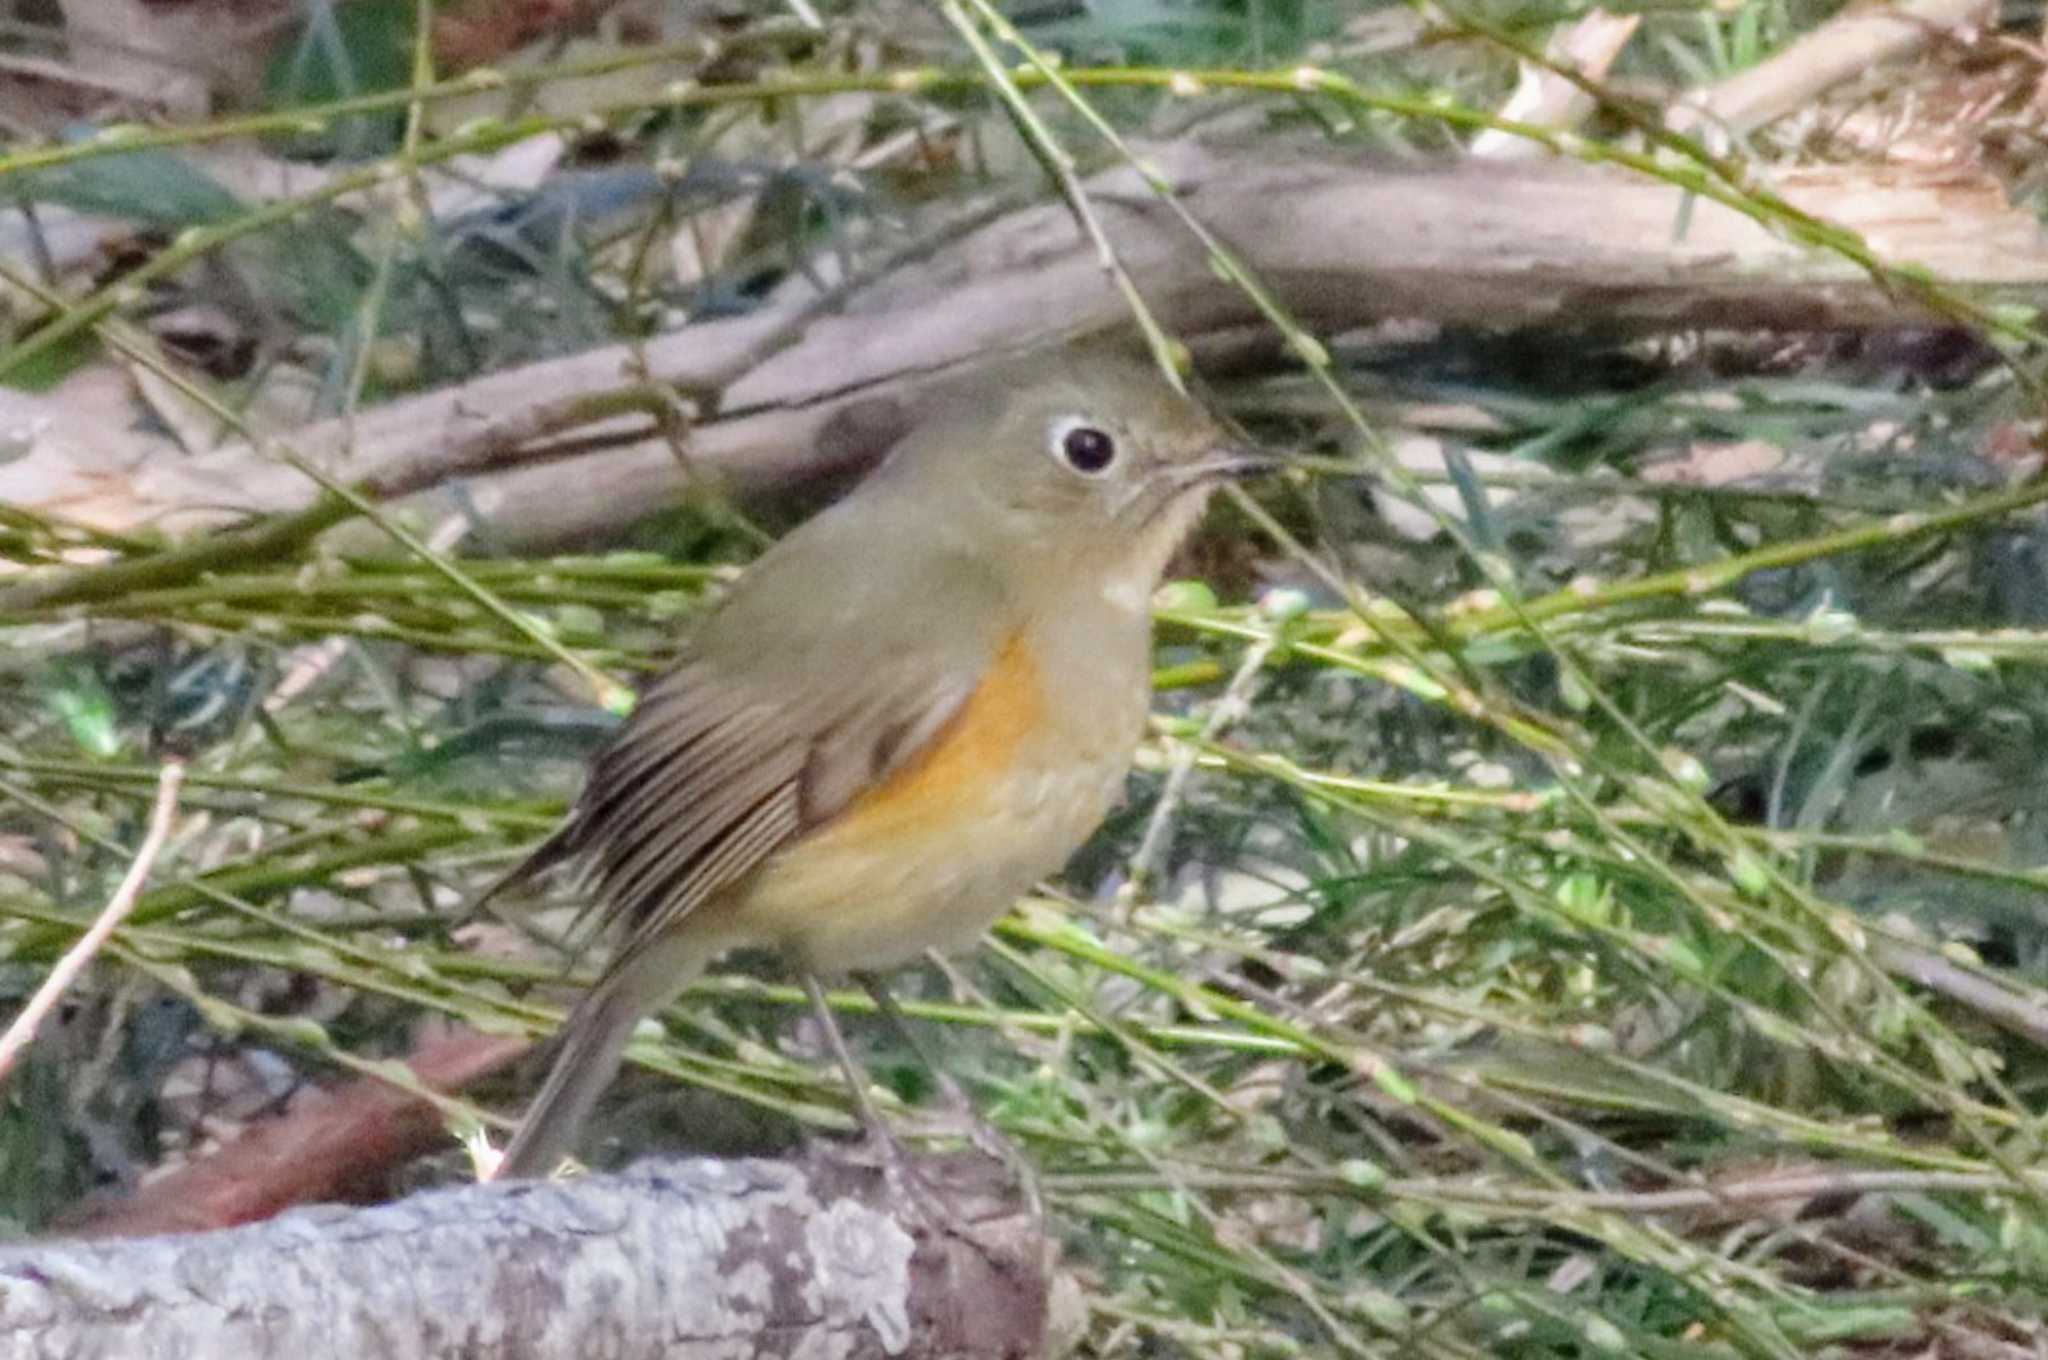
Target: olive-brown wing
(708,779)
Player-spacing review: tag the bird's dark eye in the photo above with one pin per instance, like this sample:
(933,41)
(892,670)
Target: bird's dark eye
(1087,449)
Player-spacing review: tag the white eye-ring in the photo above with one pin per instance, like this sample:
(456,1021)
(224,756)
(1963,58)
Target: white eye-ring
(1080,444)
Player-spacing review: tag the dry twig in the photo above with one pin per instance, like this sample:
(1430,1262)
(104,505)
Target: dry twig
(23,1030)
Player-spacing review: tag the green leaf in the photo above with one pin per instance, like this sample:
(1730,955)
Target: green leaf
(155,187)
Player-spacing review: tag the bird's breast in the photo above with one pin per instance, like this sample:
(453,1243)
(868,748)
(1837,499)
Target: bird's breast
(1000,797)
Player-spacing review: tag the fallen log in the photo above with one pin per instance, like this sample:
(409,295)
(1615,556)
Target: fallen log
(793,392)
(675,1260)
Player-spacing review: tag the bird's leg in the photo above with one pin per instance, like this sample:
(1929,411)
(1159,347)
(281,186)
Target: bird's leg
(856,1080)
(986,1137)
(897,1164)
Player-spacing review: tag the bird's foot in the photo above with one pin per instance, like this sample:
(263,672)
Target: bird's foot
(909,1183)
(971,1126)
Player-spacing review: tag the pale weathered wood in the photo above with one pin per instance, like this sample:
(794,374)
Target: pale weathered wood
(1343,243)
(1859,39)
(670,1259)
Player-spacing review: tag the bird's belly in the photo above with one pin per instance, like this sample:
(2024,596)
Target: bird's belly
(856,895)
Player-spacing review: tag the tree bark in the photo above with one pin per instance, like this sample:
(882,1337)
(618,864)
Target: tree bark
(671,1259)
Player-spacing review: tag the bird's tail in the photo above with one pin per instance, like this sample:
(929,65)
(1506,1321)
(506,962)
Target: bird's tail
(590,1045)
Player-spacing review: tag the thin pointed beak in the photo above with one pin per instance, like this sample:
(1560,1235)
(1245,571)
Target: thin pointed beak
(1231,461)
(1222,463)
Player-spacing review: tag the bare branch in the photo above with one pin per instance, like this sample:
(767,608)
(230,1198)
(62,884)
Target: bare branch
(1860,37)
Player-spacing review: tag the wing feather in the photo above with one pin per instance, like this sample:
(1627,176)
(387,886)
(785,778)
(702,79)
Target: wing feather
(802,690)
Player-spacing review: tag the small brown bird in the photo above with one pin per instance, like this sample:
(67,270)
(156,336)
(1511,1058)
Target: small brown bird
(902,716)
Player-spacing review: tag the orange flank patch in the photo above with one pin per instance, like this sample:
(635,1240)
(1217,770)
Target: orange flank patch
(970,756)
